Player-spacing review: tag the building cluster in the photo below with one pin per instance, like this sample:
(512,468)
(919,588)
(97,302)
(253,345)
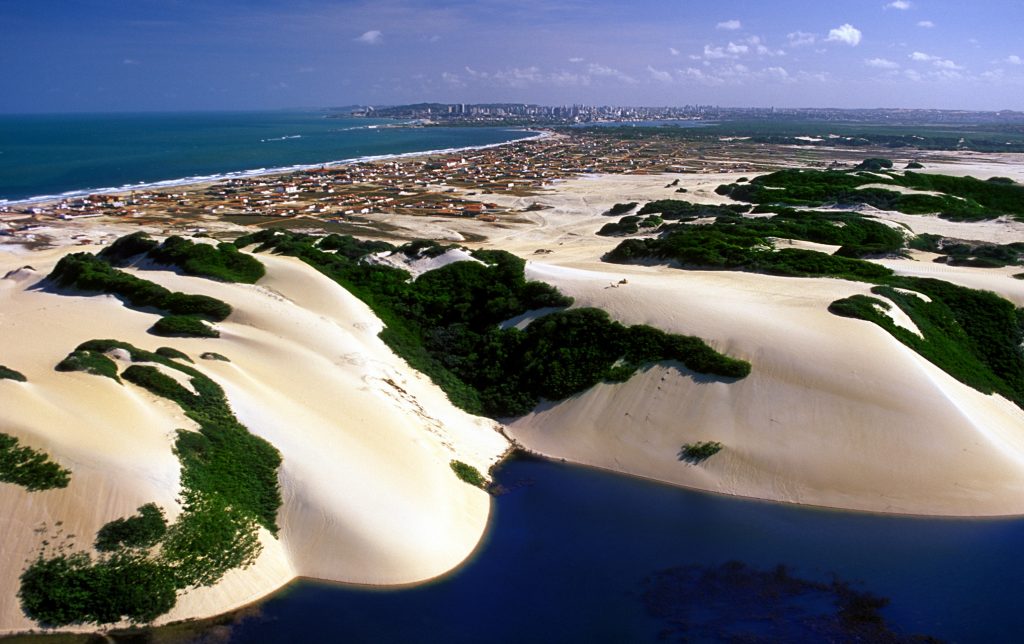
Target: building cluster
(352,194)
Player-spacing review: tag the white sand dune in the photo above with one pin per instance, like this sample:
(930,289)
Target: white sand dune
(369,496)
(834,413)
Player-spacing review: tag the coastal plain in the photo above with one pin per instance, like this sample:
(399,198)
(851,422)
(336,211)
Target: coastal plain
(835,412)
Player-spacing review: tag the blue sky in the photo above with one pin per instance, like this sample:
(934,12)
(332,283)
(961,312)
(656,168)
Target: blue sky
(92,55)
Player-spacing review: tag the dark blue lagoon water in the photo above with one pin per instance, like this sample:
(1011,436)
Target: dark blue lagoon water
(569,548)
(57,153)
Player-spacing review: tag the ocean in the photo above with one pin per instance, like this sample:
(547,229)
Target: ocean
(65,154)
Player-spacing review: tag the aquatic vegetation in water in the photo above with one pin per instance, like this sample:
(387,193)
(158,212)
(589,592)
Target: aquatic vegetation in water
(735,602)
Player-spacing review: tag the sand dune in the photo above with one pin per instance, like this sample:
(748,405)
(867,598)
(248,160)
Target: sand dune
(368,493)
(835,412)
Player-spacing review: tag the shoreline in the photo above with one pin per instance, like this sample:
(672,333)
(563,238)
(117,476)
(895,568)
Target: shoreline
(229,617)
(259,172)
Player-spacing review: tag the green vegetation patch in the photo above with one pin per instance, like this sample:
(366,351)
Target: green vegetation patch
(958,252)
(446,325)
(695,453)
(629,225)
(87,272)
(221,262)
(959,198)
(74,589)
(469,474)
(425,248)
(747,243)
(143,530)
(94,362)
(29,468)
(874,165)
(975,336)
(351,247)
(172,353)
(678,210)
(210,355)
(229,489)
(620,209)
(7,373)
(183,326)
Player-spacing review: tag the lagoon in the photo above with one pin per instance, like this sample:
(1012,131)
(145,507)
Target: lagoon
(568,550)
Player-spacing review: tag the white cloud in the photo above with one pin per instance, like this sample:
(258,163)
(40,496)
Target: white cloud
(129,61)
(845,33)
(881,63)
(1014,59)
(712,53)
(372,37)
(762,49)
(673,51)
(902,5)
(937,61)
(659,75)
(729,25)
(576,59)
(926,24)
(735,50)
(801,39)
(452,79)
(600,70)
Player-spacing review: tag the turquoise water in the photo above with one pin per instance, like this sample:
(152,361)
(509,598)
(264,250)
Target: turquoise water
(49,154)
(569,548)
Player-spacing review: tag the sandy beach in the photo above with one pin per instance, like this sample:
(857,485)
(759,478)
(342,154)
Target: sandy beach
(835,413)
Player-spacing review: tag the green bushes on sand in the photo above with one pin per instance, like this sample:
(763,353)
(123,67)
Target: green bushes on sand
(93,362)
(740,243)
(7,373)
(183,326)
(229,490)
(698,452)
(143,530)
(678,210)
(172,353)
(620,209)
(959,198)
(29,468)
(964,253)
(89,273)
(446,325)
(222,262)
(975,336)
(630,225)
(76,589)
(469,474)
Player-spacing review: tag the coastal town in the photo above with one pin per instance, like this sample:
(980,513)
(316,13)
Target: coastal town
(351,198)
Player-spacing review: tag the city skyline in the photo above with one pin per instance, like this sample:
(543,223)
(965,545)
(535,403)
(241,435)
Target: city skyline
(90,55)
